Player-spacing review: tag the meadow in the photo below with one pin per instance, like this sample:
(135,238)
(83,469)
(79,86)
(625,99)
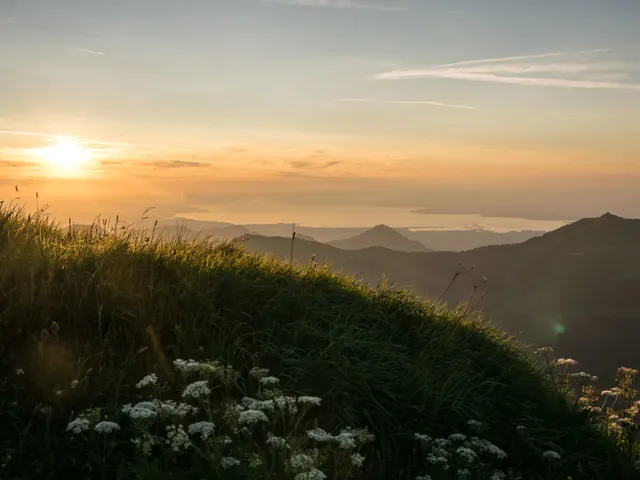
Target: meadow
(125,356)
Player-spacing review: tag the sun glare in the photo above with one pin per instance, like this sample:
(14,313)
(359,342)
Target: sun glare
(66,155)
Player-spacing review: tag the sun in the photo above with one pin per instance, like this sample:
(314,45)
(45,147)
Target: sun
(66,154)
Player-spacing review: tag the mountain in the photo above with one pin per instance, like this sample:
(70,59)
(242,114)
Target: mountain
(380,236)
(576,288)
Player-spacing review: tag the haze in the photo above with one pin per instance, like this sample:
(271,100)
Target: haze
(325,112)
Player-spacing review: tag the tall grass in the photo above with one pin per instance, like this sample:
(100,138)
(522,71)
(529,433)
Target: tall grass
(85,314)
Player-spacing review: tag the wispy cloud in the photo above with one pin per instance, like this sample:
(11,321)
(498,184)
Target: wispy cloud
(179,164)
(408,102)
(340,4)
(311,165)
(523,70)
(93,52)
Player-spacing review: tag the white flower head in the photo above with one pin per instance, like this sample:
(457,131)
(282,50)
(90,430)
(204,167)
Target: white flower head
(319,435)
(422,437)
(306,400)
(228,462)
(276,442)
(457,437)
(569,362)
(78,426)
(467,454)
(196,390)
(269,380)
(177,438)
(251,417)
(106,427)
(357,460)
(583,377)
(346,439)
(286,404)
(258,373)
(313,474)
(205,429)
(301,462)
(551,456)
(147,381)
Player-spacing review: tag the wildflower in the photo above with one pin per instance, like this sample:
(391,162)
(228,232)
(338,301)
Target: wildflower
(248,403)
(582,376)
(466,454)
(141,411)
(464,473)
(319,435)
(442,442)
(147,381)
(346,439)
(286,404)
(422,437)
(301,461)
(305,400)
(145,443)
(258,373)
(423,477)
(521,428)
(106,427)
(269,380)
(364,436)
(74,383)
(205,429)
(186,366)
(252,417)
(551,456)
(543,351)
(357,460)
(19,371)
(440,452)
(628,371)
(442,461)
(228,462)
(177,438)
(276,442)
(169,408)
(474,424)
(313,474)
(498,475)
(196,390)
(78,426)
(486,446)
(457,437)
(569,362)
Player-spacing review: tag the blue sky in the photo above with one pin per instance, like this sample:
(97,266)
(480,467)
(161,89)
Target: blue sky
(467,95)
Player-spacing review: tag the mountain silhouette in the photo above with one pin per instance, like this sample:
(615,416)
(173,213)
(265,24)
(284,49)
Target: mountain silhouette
(576,288)
(380,236)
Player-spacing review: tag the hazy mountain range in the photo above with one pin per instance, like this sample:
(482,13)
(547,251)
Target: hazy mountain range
(403,239)
(577,288)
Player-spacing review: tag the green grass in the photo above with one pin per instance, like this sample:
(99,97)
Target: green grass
(124,305)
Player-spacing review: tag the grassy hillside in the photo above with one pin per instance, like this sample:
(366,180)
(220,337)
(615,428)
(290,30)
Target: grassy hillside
(575,288)
(85,317)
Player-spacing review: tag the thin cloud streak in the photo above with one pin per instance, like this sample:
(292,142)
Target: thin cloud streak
(339,4)
(483,61)
(93,52)
(408,102)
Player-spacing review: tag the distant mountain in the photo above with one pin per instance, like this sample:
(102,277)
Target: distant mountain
(220,233)
(380,236)
(577,287)
(459,240)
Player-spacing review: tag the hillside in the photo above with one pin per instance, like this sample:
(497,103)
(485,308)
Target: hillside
(380,236)
(575,288)
(85,317)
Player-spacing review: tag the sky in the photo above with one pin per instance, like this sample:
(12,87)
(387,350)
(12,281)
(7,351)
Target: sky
(323,112)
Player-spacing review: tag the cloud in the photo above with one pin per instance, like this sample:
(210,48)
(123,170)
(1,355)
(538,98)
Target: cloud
(310,165)
(340,4)
(516,71)
(408,102)
(179,164)
(93,52)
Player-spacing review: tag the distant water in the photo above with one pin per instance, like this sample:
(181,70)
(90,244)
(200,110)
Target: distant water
(359,216)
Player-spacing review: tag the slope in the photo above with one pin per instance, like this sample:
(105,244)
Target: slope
(115,307)
(380,236)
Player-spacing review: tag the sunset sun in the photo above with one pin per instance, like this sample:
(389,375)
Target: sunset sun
(66,155)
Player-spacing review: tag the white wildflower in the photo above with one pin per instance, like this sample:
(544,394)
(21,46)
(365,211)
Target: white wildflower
(486,446)
(18,371)
(313,474)
(286,404)
(423,477)
(466,454)
(464,473)
(169,408)
(319,435)
(177,438)
(151,379)
(251,417)
(276,442)
(474,424)
(442,461)
(145,443)
(254,460)
(551,456)
(306,400)
(248,403)
(228,462)
(106,427)
(457,437)
(205,429)
(422,437)
(543,351)
(442,442)
(258,373)
(521,428)
(196,390)
(364,436)
(301,461)
(187,366)
(140,411)
(498,475)
(269,380)
(346,439)
(357,460)
(78,426)
(440,452)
